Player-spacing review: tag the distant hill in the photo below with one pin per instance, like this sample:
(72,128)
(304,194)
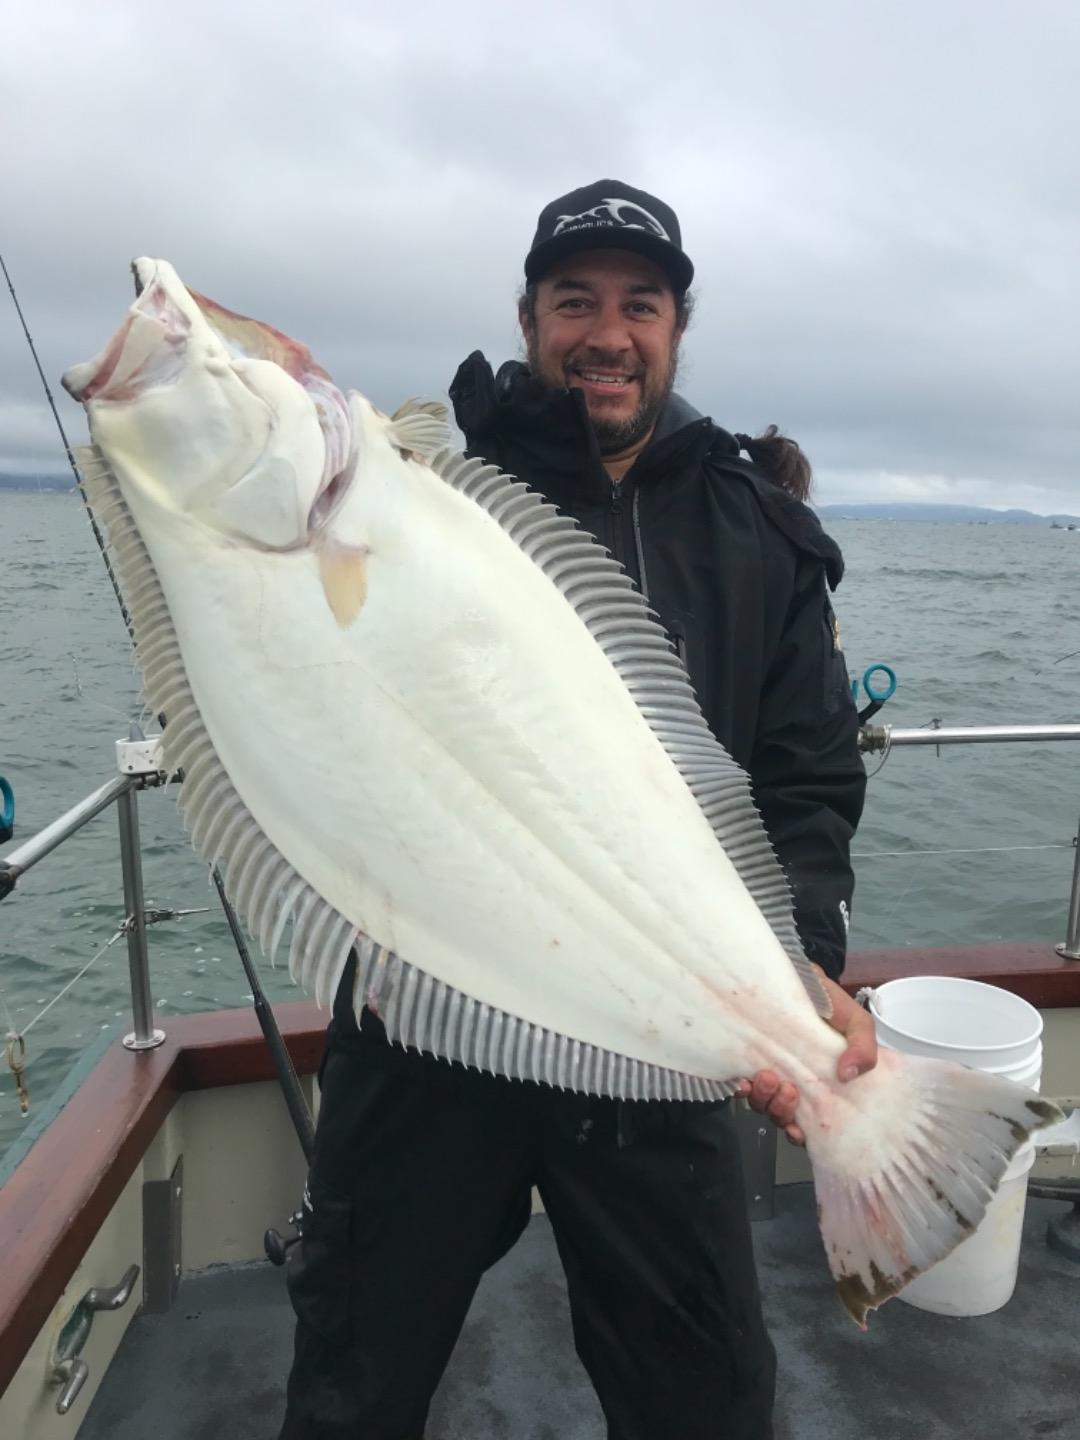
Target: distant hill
(37,482)
(949,513)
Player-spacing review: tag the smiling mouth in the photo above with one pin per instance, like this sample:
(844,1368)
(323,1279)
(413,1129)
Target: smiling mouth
(607,381)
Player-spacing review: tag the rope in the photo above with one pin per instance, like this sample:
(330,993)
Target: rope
(981,850)
(884,755)
(74,980)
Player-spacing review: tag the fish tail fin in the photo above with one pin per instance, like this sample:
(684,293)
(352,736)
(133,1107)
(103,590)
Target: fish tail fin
(906,1160)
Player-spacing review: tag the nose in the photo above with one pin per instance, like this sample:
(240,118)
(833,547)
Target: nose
(610,329)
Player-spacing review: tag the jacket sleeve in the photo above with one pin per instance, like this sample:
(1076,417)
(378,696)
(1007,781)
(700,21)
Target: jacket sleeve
(807,776)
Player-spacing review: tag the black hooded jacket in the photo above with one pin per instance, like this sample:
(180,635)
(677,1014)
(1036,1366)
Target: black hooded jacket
(739,573)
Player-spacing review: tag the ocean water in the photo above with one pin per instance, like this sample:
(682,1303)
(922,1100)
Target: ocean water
(979,622)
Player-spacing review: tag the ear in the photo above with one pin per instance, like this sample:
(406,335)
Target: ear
(524,321)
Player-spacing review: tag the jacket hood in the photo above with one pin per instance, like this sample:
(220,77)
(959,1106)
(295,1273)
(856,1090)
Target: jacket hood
(513,420)
(546,436)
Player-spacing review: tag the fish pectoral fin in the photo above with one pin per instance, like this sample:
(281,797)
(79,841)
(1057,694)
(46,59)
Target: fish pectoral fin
(421,427)
(343,572)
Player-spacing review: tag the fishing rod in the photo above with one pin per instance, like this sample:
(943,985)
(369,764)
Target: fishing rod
(298,1109)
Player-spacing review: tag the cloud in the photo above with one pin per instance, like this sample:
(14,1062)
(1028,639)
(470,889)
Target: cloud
(881,202)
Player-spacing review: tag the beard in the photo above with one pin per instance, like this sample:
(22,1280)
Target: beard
(613,436)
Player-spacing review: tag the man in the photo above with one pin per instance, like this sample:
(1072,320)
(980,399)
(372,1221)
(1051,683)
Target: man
(422,1173)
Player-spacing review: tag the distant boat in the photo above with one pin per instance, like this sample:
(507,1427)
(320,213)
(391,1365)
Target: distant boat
(1055,526)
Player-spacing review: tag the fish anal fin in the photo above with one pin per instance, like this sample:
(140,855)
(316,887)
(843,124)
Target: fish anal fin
(343,572)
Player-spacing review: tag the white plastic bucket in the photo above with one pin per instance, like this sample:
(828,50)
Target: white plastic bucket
(987,1029)
(963,1020)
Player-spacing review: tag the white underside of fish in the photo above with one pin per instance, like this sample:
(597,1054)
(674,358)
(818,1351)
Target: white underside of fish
(443,762)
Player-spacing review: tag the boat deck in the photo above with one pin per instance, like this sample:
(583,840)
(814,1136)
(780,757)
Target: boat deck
(216,1364)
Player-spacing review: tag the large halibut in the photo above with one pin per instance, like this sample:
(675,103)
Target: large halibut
(420,712)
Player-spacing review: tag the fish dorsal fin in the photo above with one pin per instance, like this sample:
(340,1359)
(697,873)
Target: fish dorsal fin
(627,632)
(420,426)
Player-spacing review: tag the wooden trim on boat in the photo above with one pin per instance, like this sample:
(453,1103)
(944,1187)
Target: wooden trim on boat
(53,1205)
(1034,971)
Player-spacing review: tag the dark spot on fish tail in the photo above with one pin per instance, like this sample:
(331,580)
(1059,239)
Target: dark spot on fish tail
(1016,1130)
(858,1298)
(1044,1110)
(946,1204)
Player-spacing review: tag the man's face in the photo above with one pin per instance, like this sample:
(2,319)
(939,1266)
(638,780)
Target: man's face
(606,324)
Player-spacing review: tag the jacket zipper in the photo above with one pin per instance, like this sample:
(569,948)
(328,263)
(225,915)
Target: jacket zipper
(644,579)
(616,510)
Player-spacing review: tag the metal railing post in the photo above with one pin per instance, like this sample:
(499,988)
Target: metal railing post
(144,1036)
(1071,948)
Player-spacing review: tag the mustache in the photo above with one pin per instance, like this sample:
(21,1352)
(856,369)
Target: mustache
(602,360)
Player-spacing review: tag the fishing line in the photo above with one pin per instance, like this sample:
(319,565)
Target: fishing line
(68,451)
(98,536)
(73,981)
(1058,661)
(15,1039)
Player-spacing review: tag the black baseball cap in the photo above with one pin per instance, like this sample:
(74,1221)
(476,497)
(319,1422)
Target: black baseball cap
(610,215)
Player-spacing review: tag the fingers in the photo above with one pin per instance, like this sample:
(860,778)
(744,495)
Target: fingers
(861,1053)
(857,1027)
(771,1096)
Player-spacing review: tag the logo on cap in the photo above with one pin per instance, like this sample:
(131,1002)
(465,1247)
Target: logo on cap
(623,213)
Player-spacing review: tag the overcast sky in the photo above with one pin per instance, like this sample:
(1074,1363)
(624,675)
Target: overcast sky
(882,201)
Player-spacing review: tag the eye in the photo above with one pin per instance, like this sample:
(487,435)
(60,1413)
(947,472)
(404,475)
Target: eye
(642,307)
(574,303)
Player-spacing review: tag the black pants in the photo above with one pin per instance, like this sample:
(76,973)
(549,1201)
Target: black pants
(421,1180)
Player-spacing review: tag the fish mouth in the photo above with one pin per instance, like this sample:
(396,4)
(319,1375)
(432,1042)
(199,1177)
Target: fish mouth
(130,363)
(144,271)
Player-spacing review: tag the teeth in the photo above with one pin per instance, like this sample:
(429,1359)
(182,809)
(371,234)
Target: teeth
(605,379)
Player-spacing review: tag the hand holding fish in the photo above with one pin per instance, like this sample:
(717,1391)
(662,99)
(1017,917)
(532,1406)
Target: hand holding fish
(778,1099)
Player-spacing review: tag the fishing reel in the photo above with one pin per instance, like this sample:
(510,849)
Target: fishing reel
(277,1246)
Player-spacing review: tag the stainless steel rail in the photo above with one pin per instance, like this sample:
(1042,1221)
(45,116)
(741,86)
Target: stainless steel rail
(876,738)
(883,738)
(16,862)
(124,790)
(144,1036)
(139,759)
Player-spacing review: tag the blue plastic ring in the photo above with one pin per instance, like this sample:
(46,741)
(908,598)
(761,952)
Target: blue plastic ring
(879,696)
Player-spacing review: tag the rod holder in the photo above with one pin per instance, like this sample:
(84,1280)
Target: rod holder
(144,1036)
